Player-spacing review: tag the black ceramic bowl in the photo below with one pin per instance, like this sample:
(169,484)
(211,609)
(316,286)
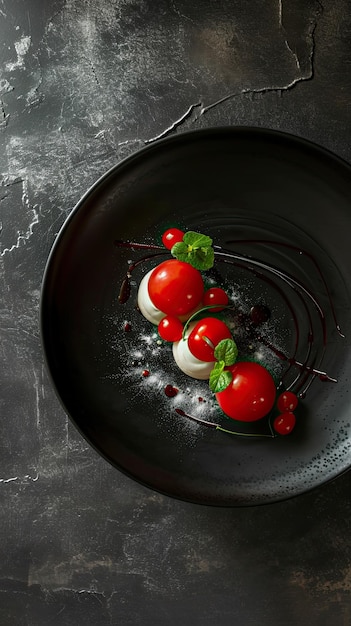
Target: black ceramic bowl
(260,194)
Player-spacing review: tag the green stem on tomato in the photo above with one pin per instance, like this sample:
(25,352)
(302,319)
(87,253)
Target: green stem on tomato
(233,432)
(225,430)
(208,341)
(205,308)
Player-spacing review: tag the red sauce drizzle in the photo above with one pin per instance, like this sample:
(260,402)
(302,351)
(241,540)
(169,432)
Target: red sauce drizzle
(259,314)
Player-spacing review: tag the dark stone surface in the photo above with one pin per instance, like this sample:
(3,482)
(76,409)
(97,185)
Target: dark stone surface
(82,85)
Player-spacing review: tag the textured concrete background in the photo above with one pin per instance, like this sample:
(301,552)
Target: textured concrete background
(83,84)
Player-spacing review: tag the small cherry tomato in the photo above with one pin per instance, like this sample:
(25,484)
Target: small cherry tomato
(175,287)
(284,423)
(287,401)
(215,295)
(170,328)
(172,236)
(251,393)
(204,337)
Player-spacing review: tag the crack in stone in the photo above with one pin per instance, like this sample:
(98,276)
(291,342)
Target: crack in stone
(128,142)
(281,25)
(23,237)
(93,71)
(22,479)
(262,90)
(190,114)
(293,54)
(310,33)
(195,111)
(5,116)
(6,182)
(179,14)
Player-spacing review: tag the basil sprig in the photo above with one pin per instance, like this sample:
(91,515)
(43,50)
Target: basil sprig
(226,353)
(195,249)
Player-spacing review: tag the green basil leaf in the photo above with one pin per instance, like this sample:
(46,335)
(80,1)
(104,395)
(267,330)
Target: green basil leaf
(205,258)
(219,377)
(197,240)
(179,249)
(195,249)
(200,259)
(227,351)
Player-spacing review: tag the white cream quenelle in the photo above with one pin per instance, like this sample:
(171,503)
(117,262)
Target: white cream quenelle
(147,308)
(187,362)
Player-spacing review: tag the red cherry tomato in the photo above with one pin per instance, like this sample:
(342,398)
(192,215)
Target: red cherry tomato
(287,401)
(172,236)
(170,328)
(215,295)
(284,423)
(175,287)
(204,337)
(250,395)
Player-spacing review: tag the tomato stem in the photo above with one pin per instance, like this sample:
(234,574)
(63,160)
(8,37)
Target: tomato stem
(205,308)
(225,430)
(208,341)
(233,432)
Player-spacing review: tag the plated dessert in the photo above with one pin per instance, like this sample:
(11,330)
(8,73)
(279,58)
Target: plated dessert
(195,310)
(278,211)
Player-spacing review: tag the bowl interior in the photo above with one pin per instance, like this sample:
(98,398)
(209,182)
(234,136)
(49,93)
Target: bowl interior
(258,194)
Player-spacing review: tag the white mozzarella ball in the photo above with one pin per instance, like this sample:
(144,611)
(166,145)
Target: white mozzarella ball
(187,362)
(147,308)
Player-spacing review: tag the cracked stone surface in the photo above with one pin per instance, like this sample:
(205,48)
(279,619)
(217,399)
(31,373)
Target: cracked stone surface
(82,85)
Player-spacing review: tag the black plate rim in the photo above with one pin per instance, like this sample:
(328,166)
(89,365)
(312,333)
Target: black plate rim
(127,162)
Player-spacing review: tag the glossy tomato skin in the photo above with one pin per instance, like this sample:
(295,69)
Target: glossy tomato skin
(175,287)
(251,394)
(284,423)
(204,337)
(215,295)
(171,237)
(170,328)
(287,401)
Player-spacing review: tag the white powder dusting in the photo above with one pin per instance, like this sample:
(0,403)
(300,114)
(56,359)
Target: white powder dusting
(148,367)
